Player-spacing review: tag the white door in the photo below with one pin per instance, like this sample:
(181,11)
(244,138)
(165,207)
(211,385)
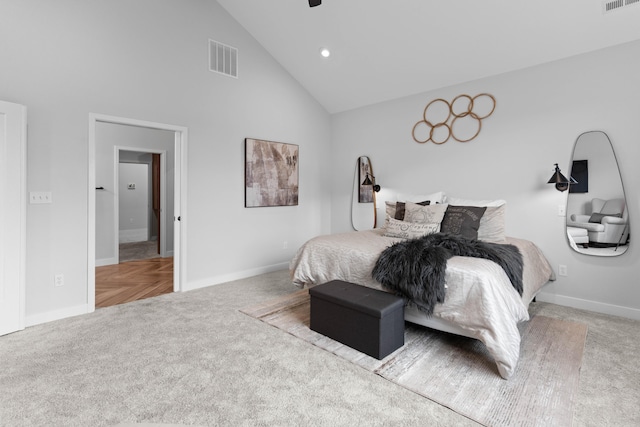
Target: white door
(13,119)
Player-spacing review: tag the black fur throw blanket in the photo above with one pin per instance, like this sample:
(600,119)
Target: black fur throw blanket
(415,268)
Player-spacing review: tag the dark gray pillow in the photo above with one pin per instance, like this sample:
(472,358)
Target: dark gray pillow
(597,217)
(462,220)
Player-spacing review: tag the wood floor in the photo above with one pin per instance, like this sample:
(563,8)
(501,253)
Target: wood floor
(133,280)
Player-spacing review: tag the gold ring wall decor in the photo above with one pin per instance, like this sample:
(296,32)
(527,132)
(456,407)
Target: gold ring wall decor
(467,112)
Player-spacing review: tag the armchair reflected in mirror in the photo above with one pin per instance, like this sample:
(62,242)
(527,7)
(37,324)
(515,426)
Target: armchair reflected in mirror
(597,218)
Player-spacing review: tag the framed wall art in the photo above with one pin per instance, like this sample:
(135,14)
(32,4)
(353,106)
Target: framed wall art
(271,174)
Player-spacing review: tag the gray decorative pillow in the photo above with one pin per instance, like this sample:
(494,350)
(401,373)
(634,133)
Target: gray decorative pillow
(433,214)
(597,217)
(408,230)
(462,220)
(492,223)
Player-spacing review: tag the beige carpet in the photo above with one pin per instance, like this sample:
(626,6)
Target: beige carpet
(458,372)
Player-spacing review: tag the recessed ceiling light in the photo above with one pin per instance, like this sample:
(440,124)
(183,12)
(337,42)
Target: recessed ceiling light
(325,52)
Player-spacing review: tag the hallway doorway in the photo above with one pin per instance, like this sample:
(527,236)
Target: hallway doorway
(110,139)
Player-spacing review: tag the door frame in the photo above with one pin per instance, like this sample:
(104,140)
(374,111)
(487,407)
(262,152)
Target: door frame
(13,261)
(163,196)
(180,200)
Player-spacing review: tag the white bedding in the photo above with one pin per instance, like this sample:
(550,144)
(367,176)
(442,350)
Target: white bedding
(480,299)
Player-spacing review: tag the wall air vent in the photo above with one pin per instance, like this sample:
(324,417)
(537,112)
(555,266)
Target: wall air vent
(223,59)
(611,5)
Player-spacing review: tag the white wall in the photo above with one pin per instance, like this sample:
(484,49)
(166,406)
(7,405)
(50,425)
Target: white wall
(540,113)
(148,60)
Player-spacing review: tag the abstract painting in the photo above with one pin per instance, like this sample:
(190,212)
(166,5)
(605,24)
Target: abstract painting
(271,173)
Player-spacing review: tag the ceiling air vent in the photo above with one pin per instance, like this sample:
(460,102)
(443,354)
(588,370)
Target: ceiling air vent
(611,5)
(223,59)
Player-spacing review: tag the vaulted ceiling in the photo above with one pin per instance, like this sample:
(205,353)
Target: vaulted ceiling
(386,49)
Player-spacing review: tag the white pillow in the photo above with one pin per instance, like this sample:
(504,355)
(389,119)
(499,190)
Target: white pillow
(424,214)
(492,225)
(468,202)
(390,209)
(433,198)
(408,230)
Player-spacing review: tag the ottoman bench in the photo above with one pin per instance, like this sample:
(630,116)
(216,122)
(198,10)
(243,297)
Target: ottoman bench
(369,320)
(578,235)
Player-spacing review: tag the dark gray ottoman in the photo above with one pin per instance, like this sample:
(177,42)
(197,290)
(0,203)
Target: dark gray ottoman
(366,319)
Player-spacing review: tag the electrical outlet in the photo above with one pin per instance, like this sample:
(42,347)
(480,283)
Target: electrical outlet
(58,280)
(37,197)
(285,244)
(562,270)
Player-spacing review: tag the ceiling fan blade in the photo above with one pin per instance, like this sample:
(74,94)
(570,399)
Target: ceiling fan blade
(313,3)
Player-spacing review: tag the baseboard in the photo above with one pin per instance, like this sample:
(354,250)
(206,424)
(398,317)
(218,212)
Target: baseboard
(598,307)
(106,261)
(50,316)
(217,280)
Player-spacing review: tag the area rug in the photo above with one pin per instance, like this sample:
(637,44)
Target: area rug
(458,372)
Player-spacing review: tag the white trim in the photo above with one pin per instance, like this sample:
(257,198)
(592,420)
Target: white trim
(91,216)
(180,210)
(50,316)
(218,280)
(583,304)
(106,261)
(19,112)
(180,198)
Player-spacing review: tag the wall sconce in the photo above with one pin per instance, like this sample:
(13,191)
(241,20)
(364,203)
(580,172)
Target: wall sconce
(561,182)
(369,181)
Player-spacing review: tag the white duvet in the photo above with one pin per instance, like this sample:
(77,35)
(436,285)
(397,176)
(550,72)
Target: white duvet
(480,299)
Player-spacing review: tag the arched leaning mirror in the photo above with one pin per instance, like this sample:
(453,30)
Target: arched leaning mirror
(363,197)
(597,219)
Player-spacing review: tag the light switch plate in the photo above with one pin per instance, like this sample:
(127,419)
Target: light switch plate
(562,210)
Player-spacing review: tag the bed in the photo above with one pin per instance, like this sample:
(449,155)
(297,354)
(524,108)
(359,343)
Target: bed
(480,302)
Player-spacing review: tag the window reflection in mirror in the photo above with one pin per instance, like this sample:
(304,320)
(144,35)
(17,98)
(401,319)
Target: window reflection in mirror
(363,198)
(597,219)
